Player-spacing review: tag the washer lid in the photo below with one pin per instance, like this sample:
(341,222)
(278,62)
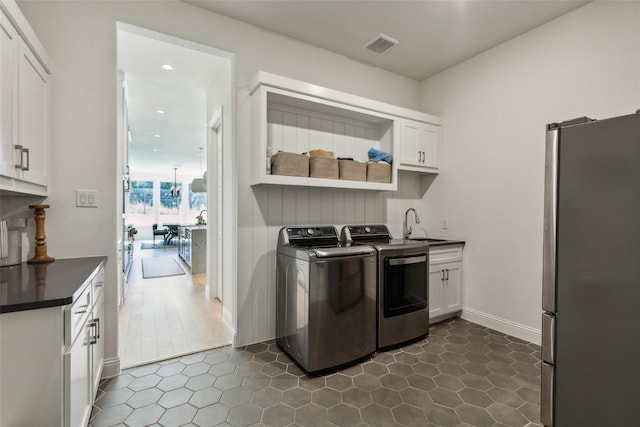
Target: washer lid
(343,251)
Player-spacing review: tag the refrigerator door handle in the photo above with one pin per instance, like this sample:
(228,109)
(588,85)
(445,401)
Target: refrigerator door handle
(550,218)
(548,338)
(547,395)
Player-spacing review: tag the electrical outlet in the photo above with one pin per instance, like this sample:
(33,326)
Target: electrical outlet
(87,198)
(444,223)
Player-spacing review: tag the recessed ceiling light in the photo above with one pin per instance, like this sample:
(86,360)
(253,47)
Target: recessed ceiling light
(156,135)
(155,150)
(167,67)
(160,111)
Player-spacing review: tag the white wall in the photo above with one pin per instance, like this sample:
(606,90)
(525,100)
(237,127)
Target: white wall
(494,109)
(80,38)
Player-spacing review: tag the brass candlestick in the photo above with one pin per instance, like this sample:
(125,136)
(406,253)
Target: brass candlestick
(41,237)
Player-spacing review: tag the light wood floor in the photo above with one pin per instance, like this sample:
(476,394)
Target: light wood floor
(167,316)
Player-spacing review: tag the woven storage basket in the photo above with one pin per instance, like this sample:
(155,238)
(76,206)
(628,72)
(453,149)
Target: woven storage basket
(353,171)
(290,164)
(322,167)
(321,153)
(379,172)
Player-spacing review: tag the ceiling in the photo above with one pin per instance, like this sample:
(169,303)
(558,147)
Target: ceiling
(160,142)
(433,35)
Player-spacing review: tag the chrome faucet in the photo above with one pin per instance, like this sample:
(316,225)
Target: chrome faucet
(406,227)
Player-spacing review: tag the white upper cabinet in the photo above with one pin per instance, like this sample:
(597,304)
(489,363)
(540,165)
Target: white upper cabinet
(420,146)
(8,88)
(24,86)
(292,116)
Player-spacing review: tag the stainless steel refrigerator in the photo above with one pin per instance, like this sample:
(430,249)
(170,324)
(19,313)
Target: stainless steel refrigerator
(591,279)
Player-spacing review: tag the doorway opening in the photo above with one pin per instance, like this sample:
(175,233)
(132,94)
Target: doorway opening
(171,134)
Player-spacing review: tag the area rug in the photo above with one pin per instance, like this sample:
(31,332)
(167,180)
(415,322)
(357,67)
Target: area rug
(160,267)
(158,245)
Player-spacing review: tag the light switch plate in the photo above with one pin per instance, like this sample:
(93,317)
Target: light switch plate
(87,198)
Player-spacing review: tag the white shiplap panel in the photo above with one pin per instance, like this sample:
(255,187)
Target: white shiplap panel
(275,223)
(302,206)
(361,144)
(338,207)
(349,207)
(302,134)
(338,139)
(315,206)
(380,208)
(360,208)
(289,206)
(370,214)
(350,147)
(327,135)
(274,129)
(371,135)
(289,132)
(315,133)
(259,249)
(326,209)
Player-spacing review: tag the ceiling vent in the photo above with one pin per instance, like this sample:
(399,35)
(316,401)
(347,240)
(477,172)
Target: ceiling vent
(380,43)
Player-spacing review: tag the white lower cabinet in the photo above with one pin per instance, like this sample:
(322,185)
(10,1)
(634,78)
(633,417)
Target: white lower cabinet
(51,361)
(97,355)
(445,282)
(85,354)
(77,381)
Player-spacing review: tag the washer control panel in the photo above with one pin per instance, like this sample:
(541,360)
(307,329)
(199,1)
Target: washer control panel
(366,231)
(311,232)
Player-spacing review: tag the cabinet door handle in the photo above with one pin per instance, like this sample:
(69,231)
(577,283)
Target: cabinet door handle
(92,336)
(423,156)
(442,276)
(26,150)
(99,284)
(22,151)
(80,309)
(447,270)
(419,155)
(19,148)
(97,322)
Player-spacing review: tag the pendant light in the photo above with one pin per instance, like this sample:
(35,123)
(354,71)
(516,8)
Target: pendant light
(175,190)
(198,185)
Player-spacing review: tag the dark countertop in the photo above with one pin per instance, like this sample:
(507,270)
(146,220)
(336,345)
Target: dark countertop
(435,242)
(445,243)
(32,286)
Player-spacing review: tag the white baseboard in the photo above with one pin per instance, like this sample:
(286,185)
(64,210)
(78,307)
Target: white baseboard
(505,326)
(111,367)
(226,317)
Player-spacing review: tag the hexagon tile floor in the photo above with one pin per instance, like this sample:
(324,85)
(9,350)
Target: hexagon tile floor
(462,374)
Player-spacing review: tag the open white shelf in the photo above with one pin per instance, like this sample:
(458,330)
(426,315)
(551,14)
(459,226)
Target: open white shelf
(292,116)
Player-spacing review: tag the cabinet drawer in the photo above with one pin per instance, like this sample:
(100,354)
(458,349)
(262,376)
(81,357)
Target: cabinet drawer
(76,315)
(97,285)
(445,254)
